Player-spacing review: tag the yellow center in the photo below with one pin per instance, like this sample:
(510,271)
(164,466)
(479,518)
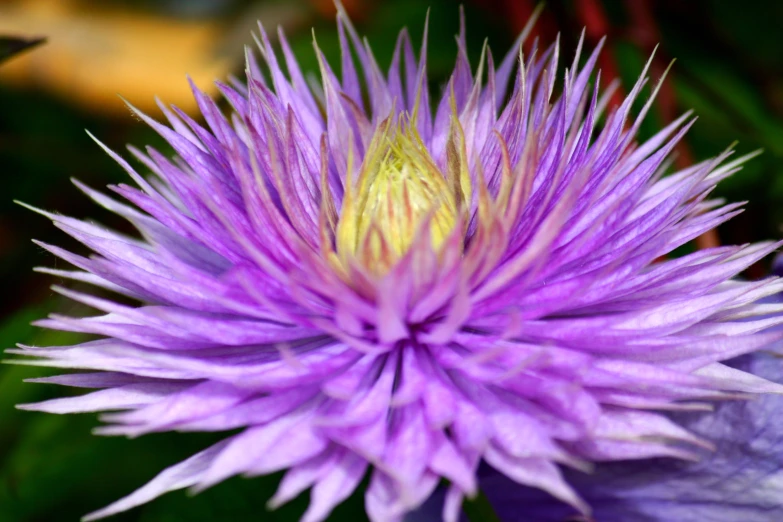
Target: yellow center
(397,190)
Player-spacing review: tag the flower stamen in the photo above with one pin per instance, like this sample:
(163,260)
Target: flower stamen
(397,188)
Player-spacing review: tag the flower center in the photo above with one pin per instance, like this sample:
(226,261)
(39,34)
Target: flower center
(398,191)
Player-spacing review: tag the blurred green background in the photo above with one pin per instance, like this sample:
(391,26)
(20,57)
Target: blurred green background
(729,69)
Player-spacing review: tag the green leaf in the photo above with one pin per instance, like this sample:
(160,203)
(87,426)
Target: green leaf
(10,45)
(479,509)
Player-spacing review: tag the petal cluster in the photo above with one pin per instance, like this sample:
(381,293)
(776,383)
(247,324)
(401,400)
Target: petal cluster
(740,480)
(532,326)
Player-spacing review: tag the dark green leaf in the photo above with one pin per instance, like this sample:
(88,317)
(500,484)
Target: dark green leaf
(11,45)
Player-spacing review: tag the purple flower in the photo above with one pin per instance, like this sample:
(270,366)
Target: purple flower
(407,289)
(742,479)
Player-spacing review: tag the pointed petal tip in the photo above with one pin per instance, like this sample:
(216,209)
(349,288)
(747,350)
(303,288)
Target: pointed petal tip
(79,184)
(35,209)
(31,406)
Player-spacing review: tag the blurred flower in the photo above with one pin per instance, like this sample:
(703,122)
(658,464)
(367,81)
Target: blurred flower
(100,49)
(741,479)
(365,283)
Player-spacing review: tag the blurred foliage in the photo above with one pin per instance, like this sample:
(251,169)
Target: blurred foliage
(11,46)
(729,69)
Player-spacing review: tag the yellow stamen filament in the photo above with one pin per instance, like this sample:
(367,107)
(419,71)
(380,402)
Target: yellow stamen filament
(397,190)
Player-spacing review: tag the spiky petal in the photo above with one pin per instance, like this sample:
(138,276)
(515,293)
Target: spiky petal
(740,480)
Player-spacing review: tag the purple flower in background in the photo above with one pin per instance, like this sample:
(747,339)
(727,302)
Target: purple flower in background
(408,289)
(742,479)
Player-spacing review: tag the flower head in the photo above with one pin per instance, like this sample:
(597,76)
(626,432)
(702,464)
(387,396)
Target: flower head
(407,289)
